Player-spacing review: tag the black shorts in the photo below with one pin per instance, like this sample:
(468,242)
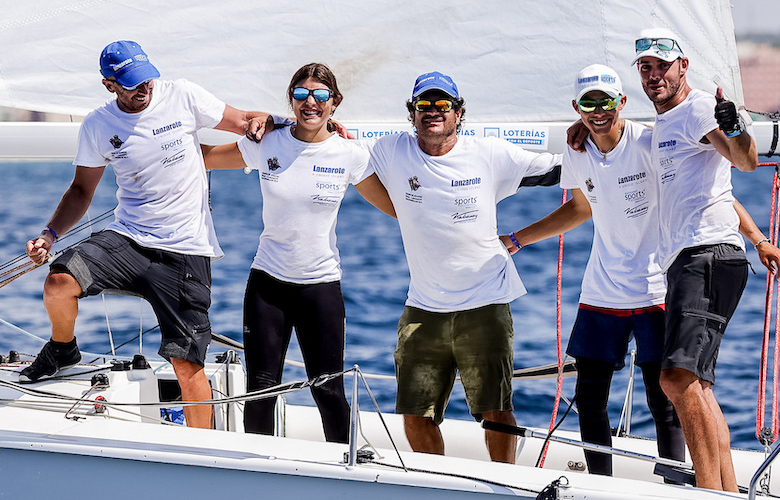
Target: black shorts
(177,286)
(704,287)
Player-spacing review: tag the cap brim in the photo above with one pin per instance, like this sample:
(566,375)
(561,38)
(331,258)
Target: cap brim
(138,75)
(430,88)
(665,55)
(610,92)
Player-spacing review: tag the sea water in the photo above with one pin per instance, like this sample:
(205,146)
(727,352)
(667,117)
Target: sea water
(375,284)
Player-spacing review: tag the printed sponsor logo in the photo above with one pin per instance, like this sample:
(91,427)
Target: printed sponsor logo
(589,184)
(632,178)
(329,170)
(116,142)
(373,134)
(459,202)
(666,162)
(414,198)
(329,186)
(414,184)
(589,79)
(668,177)
(273,164)
(165,146)
(608,79)
(638,211)
(667,144)
(122,64)
(266,176)
(325,200)
(637,195)
(173,160)
(118,155)
(466,182)
(167,128)
(470,216)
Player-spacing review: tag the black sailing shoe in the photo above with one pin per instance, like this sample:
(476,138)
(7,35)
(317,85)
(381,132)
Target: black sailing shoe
(53,358)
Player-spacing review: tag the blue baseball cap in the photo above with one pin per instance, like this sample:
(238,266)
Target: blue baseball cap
(127,63)
(435,81)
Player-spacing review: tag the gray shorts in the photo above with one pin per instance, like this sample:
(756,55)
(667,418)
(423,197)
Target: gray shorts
(704,287)
(177,286)
(432,347)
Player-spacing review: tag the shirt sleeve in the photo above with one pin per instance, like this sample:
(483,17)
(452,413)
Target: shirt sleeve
(702,118)
(569,177)
(208,110)
(88,154)
(522,164)
(251,151)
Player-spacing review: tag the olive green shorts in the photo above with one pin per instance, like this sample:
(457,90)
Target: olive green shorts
(432,347)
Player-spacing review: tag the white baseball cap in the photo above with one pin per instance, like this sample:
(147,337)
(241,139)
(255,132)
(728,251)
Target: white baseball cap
(597,77)
(657,42)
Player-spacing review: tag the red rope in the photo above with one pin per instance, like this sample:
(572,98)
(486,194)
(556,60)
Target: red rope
(771,280)
(558,301)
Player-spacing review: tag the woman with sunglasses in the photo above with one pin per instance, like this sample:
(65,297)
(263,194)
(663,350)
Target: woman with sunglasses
(294,282)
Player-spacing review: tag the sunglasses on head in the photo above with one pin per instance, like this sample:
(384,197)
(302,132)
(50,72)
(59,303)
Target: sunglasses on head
(423,105)
(590,105)
(320,95)
(666,44)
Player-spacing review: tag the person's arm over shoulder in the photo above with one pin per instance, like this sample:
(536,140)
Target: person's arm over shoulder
(223,157)
(372,189)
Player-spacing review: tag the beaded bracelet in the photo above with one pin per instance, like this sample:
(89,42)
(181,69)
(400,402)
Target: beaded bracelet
(514,241)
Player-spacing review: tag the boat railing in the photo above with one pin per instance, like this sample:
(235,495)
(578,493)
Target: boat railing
(753,489)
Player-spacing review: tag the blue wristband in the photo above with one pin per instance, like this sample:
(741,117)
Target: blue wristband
(733,133)
(53,233)
(514,241)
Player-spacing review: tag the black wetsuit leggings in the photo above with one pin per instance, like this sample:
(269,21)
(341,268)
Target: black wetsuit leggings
(593,381)
(271,309)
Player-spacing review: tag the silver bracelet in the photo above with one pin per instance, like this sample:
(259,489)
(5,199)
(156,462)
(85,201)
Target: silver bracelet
(761,241)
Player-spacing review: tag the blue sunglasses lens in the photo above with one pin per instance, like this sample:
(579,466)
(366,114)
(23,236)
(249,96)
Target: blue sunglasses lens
(320,95)
(662,43)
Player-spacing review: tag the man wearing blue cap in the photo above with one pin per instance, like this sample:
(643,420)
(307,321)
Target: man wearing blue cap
(457,318)
(162,240)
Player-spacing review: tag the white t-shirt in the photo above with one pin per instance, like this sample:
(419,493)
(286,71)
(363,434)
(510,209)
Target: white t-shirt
(446,207)
(623,270)
(162,190)
(303,184)
(696,204)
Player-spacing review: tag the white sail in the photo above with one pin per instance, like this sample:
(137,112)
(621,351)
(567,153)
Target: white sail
(514,61)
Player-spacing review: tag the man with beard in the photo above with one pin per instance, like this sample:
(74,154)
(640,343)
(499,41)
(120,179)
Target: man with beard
(457,317)
(700,248)
(162,240)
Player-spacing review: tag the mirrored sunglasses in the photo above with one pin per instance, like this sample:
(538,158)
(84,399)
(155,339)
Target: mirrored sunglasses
(423,105)
(320,95)
(130,89)
(666,44)
(590,105)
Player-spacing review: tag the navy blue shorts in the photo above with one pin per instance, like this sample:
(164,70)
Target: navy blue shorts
(704,287)
(177,286)
(603,334)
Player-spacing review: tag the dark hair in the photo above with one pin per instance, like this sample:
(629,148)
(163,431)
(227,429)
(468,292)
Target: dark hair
(457,104)
(319,72)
